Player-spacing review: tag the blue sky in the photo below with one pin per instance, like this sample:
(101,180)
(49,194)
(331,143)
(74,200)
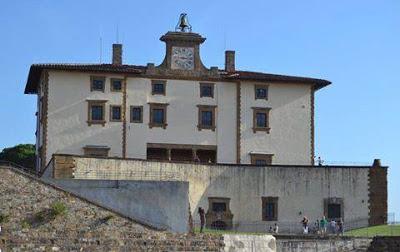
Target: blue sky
(354,44)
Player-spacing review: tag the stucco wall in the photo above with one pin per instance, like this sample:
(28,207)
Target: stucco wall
(289,119)
(301,190)
(289,139)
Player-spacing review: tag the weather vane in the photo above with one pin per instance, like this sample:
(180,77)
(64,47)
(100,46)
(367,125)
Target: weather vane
(183,24)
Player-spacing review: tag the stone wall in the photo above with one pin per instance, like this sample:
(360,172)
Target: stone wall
(31,222)
(383,244)
(321,244)
(301,190)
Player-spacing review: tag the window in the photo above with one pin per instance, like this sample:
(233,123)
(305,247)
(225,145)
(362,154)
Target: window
(158,87)
(158,115)
(97,83)
(261,119)
(333,208)
(96,112)
(136,114)
(157,154)
(269,208)
(206,117)
(333,211)
(96,150)
(219,206)
(207,90)
(261,159)
(261,92)
(116,85)
(115,113)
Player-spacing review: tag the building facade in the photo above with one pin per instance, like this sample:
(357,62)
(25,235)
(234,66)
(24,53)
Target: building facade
(243,141)
(177,111)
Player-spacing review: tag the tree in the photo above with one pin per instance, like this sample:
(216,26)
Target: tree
(22,154)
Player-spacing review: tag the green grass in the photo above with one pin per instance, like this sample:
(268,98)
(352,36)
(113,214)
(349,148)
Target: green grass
(382,230)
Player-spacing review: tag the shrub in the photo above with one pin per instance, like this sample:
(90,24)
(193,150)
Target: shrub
(3,218)
(25,224)
(58,208)
(22,154)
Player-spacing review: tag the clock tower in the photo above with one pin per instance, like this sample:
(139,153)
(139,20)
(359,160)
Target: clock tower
(182,55)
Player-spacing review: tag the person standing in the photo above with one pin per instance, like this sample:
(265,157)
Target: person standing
(202,219)
(276,228)
(305,225)
(340,227)
(323,224)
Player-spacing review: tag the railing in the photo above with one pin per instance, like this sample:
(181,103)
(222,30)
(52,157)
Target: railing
(358,227)
(160,175)
(17,166)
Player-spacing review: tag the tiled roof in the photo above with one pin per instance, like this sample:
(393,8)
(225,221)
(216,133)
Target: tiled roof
(36,71)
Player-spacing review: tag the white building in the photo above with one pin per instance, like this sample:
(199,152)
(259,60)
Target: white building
(182,111)
(179,110)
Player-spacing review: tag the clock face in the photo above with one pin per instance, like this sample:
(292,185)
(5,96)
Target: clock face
(182,58)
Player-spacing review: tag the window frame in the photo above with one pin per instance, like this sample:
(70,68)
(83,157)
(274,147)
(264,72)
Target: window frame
(96,103)
(261,86)
(154,82)
(96,77)
(269,200)
(162,106)
(206,108)
(96,149)
(258,156)
(112,84)
(266,111)
(141,114)
(207,84)
(111,113)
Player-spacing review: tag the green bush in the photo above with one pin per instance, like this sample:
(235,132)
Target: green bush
(3,218)
(26,224)
(22,154)
(58,208)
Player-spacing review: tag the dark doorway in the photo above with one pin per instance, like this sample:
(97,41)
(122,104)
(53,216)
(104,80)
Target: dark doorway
(182,155)
(157,154)
(207,156)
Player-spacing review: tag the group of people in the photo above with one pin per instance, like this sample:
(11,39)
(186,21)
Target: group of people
(323,226)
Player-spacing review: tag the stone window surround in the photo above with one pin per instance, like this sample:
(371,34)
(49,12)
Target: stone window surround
(273,200)
(258,156)
(97,77)
(258,86)
(111,113)
(92,150)
(162,106)
(260,110)
(141,114)
(212,109)
(207,84)
(112,86)
(164,82)
(99,103)
(334,200)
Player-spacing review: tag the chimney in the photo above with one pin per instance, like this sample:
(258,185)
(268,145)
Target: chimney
(117,54)
(230,61)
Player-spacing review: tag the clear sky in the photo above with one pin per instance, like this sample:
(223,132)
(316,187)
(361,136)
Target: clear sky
(354,44)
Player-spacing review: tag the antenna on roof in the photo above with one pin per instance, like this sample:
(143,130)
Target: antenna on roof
(101,49)
(117,35)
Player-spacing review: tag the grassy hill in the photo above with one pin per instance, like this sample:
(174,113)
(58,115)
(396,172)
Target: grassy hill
(382,230)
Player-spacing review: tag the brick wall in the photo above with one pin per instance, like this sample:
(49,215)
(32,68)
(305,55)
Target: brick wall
(377,182)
